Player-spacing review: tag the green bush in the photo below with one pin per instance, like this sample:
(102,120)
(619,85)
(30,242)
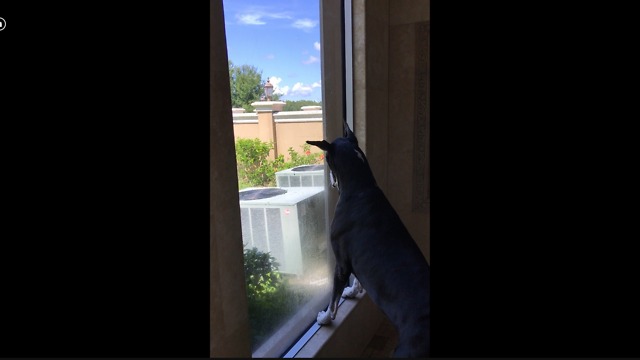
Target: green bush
(254,167)
(297,105)
(270,299)
(261,270)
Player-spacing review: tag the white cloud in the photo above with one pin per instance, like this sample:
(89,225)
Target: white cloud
(316,45)
(275,81)
(270,56)
(312,59)
(279,15)
(299,89)
(282,91)
(304,24)
(255,16)
(250,19)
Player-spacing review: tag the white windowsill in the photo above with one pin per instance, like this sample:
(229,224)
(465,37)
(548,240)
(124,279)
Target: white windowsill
(348,335)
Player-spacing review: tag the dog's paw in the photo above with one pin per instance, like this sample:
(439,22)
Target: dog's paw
(350,292)
(324,318)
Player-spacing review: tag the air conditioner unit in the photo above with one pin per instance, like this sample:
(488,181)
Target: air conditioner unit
(301,176)
(288,223)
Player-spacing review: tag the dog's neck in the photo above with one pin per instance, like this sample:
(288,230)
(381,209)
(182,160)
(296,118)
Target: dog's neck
(357,183)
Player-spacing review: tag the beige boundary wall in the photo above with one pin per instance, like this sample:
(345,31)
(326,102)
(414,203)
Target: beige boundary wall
(285,128)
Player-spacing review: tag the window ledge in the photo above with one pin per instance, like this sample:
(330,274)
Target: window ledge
(349,334)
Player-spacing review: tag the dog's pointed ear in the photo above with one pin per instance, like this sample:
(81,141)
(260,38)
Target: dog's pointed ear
(348,133)
(324,145)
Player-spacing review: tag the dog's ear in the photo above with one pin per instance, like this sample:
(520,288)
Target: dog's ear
(324,145)
(348,133)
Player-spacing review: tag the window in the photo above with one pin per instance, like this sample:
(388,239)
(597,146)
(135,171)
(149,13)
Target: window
(283,197)
(229,326)
(389,45)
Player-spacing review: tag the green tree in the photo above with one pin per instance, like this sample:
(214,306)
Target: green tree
(297,105)
(246,86)
(245,81)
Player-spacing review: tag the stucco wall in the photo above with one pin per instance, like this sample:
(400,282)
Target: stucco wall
(295,135)
(292,129)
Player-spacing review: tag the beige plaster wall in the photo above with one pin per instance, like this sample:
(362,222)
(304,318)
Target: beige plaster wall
(386,112)
(404,16)
(294,135)
(287,134)
(246,131)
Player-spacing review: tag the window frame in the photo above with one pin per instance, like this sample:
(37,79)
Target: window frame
(230,333)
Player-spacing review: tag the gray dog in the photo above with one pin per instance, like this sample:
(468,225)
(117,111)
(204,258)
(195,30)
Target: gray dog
(369,240)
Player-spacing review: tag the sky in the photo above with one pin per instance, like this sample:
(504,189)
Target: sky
(281,38)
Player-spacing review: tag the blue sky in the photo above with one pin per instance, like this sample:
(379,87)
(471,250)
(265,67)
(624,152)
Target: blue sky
(281,38)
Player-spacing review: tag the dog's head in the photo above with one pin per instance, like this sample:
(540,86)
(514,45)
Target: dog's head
(347,163)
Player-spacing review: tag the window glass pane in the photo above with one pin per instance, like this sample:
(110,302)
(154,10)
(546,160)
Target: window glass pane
(274,68)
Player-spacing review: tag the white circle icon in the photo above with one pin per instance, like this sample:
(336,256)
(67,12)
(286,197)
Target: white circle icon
(3,24)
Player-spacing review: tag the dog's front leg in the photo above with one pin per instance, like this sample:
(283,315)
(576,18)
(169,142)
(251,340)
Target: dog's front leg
(355,289)
(340,280)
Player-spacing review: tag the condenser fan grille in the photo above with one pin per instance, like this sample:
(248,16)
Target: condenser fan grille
(261,193)
(308,168)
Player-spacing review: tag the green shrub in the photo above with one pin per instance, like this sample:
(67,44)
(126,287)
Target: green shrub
(270,298)
(254,167)
(262,276)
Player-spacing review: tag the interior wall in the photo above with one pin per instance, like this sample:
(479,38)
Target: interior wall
(391,103)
